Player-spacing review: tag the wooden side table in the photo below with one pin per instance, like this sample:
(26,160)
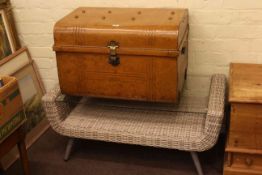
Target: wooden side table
(16,138)
(244,142)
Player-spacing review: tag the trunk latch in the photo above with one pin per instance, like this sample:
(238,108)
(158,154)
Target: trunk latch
(113,58)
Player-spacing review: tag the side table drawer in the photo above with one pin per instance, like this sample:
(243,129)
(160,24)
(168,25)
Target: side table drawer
(243,161)
(243,140)
(239,172)
(246,118)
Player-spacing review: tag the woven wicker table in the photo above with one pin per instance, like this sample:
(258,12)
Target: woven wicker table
(193,125)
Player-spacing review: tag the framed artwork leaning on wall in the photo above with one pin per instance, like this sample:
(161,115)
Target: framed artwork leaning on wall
(21,66)
(7,46)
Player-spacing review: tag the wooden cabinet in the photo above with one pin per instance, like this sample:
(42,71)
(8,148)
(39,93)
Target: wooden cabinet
(244,143)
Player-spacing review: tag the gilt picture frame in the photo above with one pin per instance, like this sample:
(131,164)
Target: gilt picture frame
(7,44)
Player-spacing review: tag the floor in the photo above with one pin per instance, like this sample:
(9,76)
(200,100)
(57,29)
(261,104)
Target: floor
(100,158)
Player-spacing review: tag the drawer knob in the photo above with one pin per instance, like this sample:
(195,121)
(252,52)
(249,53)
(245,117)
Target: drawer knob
(248,161)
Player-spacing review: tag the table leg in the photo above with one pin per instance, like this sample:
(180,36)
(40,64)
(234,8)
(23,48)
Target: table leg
(23,156)
(1,168)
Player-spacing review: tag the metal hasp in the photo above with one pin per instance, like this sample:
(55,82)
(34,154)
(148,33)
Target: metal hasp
(113,58)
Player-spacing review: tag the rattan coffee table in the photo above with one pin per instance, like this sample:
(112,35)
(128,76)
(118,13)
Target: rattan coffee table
(193,125)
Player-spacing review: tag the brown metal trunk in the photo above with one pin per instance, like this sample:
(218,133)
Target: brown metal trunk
(125,53)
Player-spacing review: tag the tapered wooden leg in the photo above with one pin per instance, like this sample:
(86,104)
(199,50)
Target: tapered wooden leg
(69,148)
(23,156)
(197,163)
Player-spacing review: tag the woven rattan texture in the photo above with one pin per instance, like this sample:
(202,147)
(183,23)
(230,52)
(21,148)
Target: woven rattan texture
(193,125)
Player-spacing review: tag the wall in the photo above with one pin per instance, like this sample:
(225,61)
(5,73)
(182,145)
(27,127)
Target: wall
(221,31)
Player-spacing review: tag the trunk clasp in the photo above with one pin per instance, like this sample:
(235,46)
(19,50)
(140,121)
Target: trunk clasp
(113,58)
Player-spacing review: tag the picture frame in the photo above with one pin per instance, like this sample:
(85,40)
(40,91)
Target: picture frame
(7,44)
(22,66)
(7,7)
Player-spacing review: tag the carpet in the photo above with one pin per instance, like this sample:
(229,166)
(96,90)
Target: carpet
(101,158)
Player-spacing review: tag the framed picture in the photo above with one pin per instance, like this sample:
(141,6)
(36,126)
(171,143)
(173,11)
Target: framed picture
(21,66)
(6,6)
(7,45)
